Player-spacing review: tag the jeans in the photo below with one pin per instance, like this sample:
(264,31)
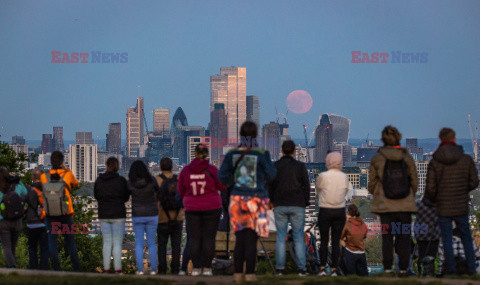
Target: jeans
(463,226)
(394,229)
(113,231)
(174,232)
(37,237)
(186,254)
(245,251)
(65,221)
(334,220)
(295,216)
(148,225)
(202,227)
(355,263)
(9,233)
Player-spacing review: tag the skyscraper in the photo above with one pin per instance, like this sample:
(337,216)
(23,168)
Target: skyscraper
(218,131)
(135,134)
(18,140)
(179,119)
(58,139)
(412,145)
(271,139)
(181,139)
(230,88)
(82,157)
(114,138)
(47,143)
(253,109)
(161,122)
(341,128)
(323,138)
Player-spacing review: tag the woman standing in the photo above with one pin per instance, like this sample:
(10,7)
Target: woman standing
(199,186)
(246,170)
(144,190)
(111,193)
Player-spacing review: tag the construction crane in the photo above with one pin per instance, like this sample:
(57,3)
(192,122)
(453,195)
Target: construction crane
(474,136)
(307,145)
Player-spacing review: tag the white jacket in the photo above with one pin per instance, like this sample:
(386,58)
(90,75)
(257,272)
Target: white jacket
(333,189)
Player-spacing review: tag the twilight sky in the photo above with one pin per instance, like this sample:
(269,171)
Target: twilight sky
(174,46)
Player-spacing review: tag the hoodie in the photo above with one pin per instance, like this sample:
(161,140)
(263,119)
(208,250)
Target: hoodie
(333,187)
(354,233)
(199,186)
(451,175)
(111,192)
(144,197)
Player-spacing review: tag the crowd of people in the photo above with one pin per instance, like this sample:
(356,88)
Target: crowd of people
(242,192)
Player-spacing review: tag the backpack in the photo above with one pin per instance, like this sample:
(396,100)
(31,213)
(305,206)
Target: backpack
(169,196)
(396,182)
(55,200)
(12,205)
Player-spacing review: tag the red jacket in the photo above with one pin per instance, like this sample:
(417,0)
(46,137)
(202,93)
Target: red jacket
(199,186)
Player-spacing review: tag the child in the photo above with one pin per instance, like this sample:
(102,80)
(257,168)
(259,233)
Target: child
(353,236)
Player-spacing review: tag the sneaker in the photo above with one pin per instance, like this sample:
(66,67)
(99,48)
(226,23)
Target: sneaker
(118,272)
(196,272)
(106,271)
(402,274)
(302,273)
(182,273)
(279,272)
(322,272)
(139,273)
(207,272)
(153,273)
(334,273)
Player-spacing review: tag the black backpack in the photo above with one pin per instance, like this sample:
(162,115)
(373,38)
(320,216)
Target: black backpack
(12,206)
(396,182)
(169,197)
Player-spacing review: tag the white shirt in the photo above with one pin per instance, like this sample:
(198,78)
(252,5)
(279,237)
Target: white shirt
(333,189)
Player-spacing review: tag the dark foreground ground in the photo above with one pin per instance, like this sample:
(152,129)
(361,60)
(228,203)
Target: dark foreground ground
(31,277)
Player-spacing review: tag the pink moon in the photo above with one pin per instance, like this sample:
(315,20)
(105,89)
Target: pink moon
(299,102)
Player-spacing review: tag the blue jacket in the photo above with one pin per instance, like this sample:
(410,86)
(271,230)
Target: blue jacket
(252,174)
(20,189)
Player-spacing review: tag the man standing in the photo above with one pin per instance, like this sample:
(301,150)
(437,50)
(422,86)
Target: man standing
(290,194)
(451,176)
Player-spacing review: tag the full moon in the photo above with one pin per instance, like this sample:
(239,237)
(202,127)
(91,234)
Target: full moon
(299,102)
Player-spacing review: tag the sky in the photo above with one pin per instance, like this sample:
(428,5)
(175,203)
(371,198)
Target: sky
(175,46)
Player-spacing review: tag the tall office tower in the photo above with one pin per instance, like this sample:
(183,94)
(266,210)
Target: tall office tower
(47,143)
(114,138)
(412,145)
(158,148)
(82,157)
(323,138)
(181,139)
(230,88)
(253,109)
(58,139)
(161,122)
(218,132)
(179,119)
(341,128)
(271,139)
(192,142)
(135,134)
(18,140)
(345,150)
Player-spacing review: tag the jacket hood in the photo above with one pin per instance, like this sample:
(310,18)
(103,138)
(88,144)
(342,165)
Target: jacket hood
(448,154)
(141,183)
(108,175)
(356,221)
(334,161)
(199,165)
(393,153)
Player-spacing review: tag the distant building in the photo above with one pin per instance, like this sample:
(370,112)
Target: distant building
(345,150)
(19,148)
(181,140)
(271,139)
(159,147)
(218,131)
(47,143)
(253,109)
(114,138)
(365,154)
(135,133)
(83,157)
(58,139)
(412,145)
(323,138)
(44,160)
(422,176)
(192,143)
(161,122)
(230,88)
(18,140)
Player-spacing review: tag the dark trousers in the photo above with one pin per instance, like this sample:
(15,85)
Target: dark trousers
(186,253)
(427,248)
(245,251)
(9,233)
(37,238)
(174,232)
(396,226)
(355,263)
(202,227)
(334,220)
(64,221)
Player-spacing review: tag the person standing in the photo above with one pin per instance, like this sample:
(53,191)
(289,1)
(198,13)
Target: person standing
(199,186)
(393,183)
(246,170)
(354,235)
(451,175)
(111,192)
(144,190)
(58,205)
(290,195)
(333,188)
(36,229)
(170,217)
